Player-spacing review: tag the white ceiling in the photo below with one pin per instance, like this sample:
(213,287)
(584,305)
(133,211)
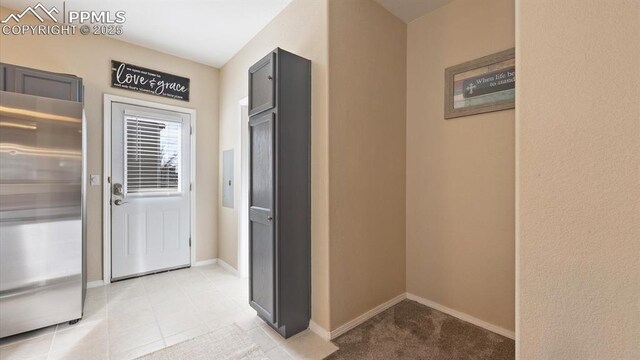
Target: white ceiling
(208,32)
(409,10)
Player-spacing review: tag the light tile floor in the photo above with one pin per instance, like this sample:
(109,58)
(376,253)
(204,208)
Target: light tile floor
(134,317)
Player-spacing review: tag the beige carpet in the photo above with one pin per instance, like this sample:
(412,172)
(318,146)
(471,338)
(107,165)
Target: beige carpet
(410,330)
(230,342)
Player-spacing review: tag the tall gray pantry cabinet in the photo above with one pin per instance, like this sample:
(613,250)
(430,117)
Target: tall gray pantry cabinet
(279,191)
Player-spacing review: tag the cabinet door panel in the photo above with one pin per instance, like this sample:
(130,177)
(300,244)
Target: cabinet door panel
(33,82)
(262,85)
(261,216)
(262,266)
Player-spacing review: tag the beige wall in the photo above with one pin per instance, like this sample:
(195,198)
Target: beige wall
(367,106)
(578,188)
(89,58)
(302,29)
(460,172)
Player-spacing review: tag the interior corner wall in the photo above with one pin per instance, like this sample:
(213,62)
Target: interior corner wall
(89,57)
(578,189)
(367,113)
(460,172)
(300,28)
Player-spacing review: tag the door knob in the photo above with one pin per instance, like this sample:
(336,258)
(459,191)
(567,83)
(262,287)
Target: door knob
(269,77)
(119,202)
(269,217)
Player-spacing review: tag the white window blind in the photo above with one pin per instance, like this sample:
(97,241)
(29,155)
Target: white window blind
(152,155)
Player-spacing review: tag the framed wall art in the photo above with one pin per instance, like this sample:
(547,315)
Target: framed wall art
(482,85)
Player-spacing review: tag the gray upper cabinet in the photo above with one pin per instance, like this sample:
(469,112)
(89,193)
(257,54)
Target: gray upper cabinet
(262,85)
(41,83)
(279,191)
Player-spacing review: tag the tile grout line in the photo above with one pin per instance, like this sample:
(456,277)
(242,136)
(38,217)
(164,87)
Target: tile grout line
(53,338)
(146,296)
(190,297)
(164,338)
(155,317)
(106,318)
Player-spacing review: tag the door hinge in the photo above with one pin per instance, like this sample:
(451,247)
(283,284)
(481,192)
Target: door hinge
(109,179)
(190,186)
(190,130)
(189,242)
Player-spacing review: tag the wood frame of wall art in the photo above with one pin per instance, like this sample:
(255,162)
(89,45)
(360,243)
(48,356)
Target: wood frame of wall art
(479,86)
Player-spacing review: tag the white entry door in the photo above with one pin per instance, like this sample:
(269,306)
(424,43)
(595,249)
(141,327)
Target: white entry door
(150,190)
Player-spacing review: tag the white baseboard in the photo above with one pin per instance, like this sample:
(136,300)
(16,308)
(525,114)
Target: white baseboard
(330,335)
(366,316)
(462,316)
(228,267)
(319,330)
(94,284)
(206,262)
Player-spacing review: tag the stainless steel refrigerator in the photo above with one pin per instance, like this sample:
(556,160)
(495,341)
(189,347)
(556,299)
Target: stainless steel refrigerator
(42,248)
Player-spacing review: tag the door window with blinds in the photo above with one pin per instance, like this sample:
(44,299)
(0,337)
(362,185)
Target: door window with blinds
(152,156)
